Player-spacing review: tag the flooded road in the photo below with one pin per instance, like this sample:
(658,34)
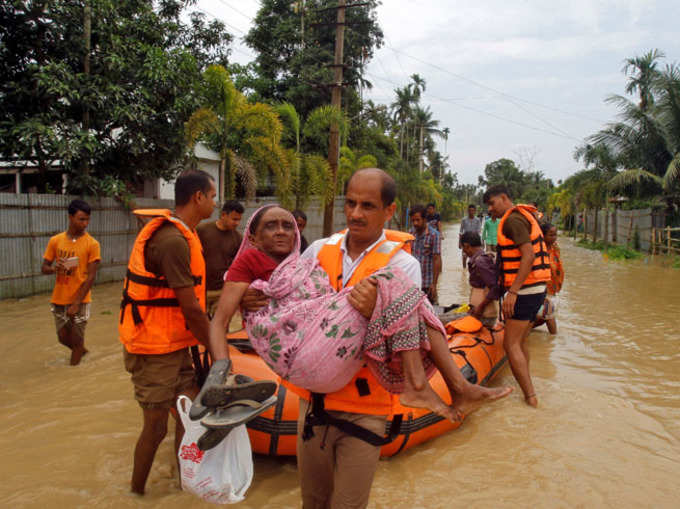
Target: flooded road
(606,433)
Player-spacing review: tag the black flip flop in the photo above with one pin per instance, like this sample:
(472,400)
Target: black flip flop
(212,437)
(237,413)
(236,388)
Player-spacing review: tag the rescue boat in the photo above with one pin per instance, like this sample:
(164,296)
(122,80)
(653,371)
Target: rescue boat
(478,354)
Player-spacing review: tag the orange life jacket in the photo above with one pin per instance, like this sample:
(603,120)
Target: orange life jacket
(510,254)
(363,394)
(151,321)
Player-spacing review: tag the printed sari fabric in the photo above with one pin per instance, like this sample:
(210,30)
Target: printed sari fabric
(311,336)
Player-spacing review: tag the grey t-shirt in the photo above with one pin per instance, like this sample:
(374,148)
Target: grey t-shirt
(470,225)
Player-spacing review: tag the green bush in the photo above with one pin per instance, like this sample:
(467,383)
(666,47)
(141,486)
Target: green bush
(623,253)
(614,252)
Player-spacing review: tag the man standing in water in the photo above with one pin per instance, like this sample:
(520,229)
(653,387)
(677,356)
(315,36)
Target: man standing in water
(471,223)
(427,249)
(163,314)
(220,242)
(433,217)
(74,257)
(336,464)
(525,270)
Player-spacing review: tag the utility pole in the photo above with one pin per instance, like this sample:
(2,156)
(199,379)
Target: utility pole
(336,101)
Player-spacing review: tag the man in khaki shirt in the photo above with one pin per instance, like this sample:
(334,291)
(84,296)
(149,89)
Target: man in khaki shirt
(220,242)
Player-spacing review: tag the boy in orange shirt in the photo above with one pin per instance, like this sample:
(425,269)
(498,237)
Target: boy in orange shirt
(73,256)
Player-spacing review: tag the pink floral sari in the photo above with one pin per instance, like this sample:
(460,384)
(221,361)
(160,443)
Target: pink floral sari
(310,335)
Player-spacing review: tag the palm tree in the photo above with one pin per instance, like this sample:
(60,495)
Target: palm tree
(401,110)
(417,86)
(642,70)
(422,118)
(445,132)
(245,135)
(647,141)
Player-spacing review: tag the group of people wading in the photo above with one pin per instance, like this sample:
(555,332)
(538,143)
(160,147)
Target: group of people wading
(359,288)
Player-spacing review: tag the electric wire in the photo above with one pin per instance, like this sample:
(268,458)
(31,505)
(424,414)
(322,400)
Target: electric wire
(554,131)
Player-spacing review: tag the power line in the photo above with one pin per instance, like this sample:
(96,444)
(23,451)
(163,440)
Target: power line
(499,92)
(477,110)
(555,131)
(236,10)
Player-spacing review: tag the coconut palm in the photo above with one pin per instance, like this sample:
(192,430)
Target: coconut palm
(246,136)
(642,70)
(647,141)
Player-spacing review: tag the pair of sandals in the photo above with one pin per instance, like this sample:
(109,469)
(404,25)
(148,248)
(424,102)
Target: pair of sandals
(227,401)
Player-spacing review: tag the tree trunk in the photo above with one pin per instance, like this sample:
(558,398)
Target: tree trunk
(420,151)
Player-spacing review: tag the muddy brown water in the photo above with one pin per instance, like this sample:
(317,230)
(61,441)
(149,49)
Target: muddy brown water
(607,433)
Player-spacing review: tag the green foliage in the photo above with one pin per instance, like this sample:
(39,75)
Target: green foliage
(122,120)
(644,145)
(623,253)
(293,50)
(524,186)
(613,252)
(246,135)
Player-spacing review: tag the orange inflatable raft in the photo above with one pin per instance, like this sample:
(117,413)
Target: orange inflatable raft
(479,355)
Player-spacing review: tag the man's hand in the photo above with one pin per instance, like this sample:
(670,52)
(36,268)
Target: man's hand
(476,312)
(363,296)
(73,309)
(59,265)
(509,304)
(254,300)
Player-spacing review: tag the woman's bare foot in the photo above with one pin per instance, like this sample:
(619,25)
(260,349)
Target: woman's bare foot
(427,398)
(531,400)
(476,395)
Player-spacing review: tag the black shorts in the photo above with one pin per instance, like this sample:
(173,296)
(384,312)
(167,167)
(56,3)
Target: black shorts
(527,306)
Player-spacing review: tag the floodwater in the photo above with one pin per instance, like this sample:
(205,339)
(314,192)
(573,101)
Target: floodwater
(606,434)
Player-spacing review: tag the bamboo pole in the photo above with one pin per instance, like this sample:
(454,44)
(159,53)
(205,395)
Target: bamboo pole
(653,246)
(668,233)
(595,226)
(630,230)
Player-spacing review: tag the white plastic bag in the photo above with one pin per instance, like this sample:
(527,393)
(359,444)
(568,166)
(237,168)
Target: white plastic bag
(221,475)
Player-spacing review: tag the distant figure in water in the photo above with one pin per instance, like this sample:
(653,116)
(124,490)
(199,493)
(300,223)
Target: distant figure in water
(427,249)
(73,256)
(546,315)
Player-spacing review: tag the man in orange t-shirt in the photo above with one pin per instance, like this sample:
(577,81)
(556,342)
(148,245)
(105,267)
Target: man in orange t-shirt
(73,256)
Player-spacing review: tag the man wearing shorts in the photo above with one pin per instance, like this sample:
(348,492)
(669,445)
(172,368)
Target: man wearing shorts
(73,256)
(163,314)
(525,270)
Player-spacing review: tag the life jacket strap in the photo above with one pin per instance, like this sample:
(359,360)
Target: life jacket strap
(154,281)
(318,416)
(136,316)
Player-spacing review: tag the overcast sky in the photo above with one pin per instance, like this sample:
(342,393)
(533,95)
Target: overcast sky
(525,80)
